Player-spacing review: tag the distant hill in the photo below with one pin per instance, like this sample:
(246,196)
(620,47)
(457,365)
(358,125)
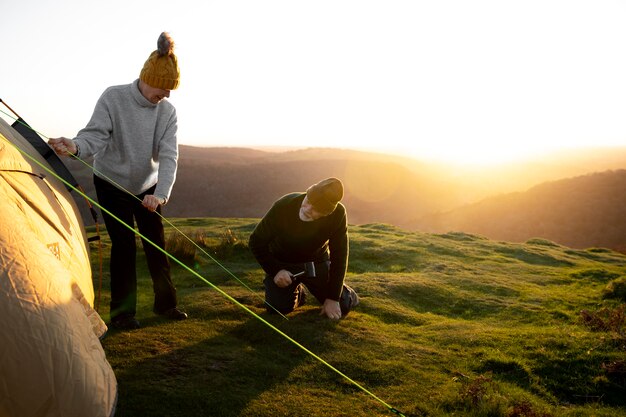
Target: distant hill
(237,182)
(380,188)
(375,191)
(580,212)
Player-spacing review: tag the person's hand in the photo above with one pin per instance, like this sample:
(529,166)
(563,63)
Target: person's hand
(283,278)
(152,202)
(62,146)
(331,309)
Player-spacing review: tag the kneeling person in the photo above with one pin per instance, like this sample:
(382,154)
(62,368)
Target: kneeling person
(300,228)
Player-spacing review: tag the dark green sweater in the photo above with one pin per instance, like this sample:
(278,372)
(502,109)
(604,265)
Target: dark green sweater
(281,237)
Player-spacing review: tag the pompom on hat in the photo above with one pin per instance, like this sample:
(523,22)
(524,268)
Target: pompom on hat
(325,195)
(161,67)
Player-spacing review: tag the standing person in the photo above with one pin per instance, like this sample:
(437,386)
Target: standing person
(132,137)
(300,228)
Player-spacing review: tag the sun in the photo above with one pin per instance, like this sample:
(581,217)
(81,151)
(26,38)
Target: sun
(466,154)
(473,155)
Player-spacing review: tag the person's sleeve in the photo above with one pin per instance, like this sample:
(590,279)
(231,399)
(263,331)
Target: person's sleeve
(95,136)
(338,245)
(260,240)
(168,159)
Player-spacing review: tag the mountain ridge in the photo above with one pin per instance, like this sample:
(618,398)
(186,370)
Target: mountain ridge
(380,188)
(579,212)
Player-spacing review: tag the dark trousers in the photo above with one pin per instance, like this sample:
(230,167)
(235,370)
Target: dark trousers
(124,250)
(287,299)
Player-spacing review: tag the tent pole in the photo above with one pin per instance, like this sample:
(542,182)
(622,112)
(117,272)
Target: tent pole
(8,107)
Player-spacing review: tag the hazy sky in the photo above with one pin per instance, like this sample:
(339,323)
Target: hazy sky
(455,79)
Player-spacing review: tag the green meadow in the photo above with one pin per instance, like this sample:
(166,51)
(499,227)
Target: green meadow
(448,325)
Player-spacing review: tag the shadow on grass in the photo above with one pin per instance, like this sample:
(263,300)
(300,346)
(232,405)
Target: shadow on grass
(423,298)
(532,257)
(581,380)
(219,376)
(598,254)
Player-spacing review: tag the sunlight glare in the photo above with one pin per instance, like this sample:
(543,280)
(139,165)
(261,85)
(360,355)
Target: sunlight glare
(476,155)
(369,184)
(471,154)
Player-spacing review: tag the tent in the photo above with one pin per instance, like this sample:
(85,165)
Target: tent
(51,360)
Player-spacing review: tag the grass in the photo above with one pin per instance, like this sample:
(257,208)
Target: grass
(450,324)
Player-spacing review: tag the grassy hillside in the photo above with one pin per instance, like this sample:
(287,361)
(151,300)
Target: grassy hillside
(450,324)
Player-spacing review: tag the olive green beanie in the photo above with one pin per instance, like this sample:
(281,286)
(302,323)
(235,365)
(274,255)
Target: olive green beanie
(325,195)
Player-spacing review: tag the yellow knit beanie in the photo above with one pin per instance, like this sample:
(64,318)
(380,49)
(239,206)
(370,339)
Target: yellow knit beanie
(161,67)
(325,195)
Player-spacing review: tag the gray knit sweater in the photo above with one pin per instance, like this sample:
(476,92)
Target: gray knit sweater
(132,140)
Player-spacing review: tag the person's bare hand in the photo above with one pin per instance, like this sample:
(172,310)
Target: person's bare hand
(283,278)
(332,309)
(62,146)
(151,202)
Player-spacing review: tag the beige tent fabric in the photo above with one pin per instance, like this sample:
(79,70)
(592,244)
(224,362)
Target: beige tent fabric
(51,359)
